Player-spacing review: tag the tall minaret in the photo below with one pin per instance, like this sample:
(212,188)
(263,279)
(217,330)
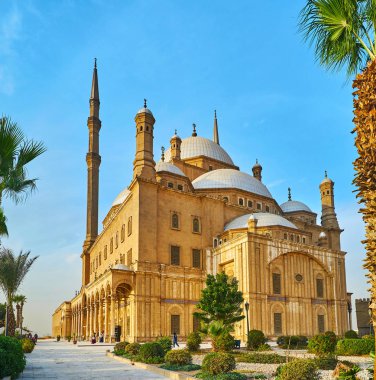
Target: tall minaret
(215,129)
(143,164)
(328,216)
(93,160)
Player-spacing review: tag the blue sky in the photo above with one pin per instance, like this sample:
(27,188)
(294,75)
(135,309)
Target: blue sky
(245,59)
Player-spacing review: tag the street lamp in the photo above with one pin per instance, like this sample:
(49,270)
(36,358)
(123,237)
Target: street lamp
(246,305)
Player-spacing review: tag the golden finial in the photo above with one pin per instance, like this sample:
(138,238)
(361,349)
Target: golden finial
(289,193)
(163,150)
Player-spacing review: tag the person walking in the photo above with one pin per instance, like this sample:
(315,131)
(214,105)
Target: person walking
(175,340)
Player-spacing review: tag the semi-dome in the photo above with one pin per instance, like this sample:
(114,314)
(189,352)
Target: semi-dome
(121,197)
(195,146)
(231,178)
(163,166)
(264,219)
(293,206)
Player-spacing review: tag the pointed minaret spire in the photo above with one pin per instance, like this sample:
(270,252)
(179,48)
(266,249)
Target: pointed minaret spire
(289,193)
(194,133)
(163,150)
(215,131)
(94,95)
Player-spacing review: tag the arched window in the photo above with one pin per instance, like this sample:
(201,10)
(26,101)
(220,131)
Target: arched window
(117,240)
(276,283)
(241,202)
(175,220)
(105,252)
(111,245)
(320,287)
(122,235)
(196,225)
(129,225)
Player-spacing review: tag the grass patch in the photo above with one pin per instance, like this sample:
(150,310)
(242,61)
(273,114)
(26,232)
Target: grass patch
(176,367)
(256,357)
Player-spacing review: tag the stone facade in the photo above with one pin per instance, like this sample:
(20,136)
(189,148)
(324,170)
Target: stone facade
(363,318)
(195,213)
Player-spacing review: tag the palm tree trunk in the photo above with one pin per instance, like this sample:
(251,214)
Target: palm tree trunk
(365,166)
(18,315)
(21,319)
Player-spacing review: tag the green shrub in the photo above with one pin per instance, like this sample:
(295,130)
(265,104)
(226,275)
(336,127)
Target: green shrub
(27,345)
(193,341)
(255,339)
(355,346)
(218,362)
(119,348)
(12,358)
(299,370)
(151,350)
(256,357)
(186,367)
(264,347)
(368,337)
(222,376)
(351,334)
(322,345)
(326,362)
(224,342)
(132,348)
(166,343)
(293,342)
(178,357)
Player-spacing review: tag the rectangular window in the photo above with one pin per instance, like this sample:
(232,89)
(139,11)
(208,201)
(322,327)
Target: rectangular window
(321,323)
(241,201)
(129,258)
(105,252)
(277,323)
(180,187)
(267,208)
(175,324)
(250,204)
(196,258)
(196,323)
(320,287)
(130,226)
(276,283)
(128,325)
(175,255)
(259,206)
(170,185)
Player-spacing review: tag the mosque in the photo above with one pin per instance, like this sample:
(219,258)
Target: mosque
(190,214)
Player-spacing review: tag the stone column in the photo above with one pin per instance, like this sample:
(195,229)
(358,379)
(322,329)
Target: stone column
(87,322)
(123,327)
(95,322)
(100,328)
(112,326)
(90,321)
(106,318)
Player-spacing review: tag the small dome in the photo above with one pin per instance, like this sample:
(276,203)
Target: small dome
(293,206)
(264,219)
(195,146)
(121,267)
(231,178)
(326,180)
(168,167)
(121,197)
(144,110)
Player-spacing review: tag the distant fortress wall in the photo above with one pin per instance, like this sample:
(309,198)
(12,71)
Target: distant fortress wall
(363,318)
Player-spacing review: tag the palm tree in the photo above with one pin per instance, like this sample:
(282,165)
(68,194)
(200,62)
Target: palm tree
(343,35)
(15,153)
(13,270)
(20,301)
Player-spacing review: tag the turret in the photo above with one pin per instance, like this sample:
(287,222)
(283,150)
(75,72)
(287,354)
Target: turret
(257,170)
(328,216)
(143,164)
(175,145)
(93,161)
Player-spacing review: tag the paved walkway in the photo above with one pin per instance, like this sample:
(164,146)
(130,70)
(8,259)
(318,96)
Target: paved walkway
(62,360)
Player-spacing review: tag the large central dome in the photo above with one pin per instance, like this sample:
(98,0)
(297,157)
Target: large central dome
(231,179)
(195,146)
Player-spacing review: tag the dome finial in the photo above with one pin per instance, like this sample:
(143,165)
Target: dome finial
(95,63)
(194,133)
(145,105)
(176,131)
(289,193)
(326,174)
(163,150)
(256,161)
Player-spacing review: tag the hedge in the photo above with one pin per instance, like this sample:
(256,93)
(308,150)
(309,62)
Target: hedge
(292,341)
(217,363)
(12,358)
(355,346)
(305,369)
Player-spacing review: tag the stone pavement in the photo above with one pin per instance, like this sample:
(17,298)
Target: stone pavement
(62,360)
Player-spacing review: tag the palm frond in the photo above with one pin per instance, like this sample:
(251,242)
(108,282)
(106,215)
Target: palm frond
(338,30)
(28,151)
(3,224)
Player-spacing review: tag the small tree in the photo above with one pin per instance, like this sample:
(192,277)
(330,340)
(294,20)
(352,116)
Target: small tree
(220,305)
